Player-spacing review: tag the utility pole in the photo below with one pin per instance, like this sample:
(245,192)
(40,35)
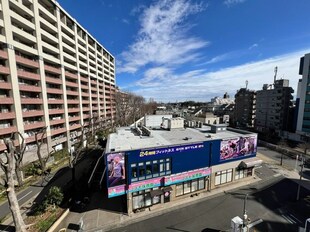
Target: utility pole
(245,216)
(300,178)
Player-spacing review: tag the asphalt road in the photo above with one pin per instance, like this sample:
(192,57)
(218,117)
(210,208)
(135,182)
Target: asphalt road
(288,162)
(268,200)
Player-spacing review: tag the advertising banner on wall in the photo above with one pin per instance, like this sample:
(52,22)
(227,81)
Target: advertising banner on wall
(238,147)
(191,175)
(116,191)
(116,173)
(142,185)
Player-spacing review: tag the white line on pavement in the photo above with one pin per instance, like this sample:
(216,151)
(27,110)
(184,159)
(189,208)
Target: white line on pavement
(24,196)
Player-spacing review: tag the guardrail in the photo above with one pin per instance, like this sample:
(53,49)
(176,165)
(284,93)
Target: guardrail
(95,168)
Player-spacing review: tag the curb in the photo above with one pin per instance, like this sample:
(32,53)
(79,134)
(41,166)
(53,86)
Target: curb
(58,221)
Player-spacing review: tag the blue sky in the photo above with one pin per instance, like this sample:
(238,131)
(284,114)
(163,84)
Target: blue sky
(175,50)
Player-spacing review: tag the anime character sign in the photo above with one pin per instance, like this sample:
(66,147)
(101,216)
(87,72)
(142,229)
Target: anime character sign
(238,147)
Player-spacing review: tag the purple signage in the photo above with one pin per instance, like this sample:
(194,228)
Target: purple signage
(141,185)
(238,147)
(191,175)
(116,191)
(168,150)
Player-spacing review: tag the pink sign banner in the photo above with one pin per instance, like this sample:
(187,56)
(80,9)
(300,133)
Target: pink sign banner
(146,184)
(191,175)
(116,191)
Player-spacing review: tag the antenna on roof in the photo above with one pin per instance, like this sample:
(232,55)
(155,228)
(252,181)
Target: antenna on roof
(246,84)
(275,74)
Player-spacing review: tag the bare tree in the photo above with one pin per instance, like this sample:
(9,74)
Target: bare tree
(9,167)
(39,136)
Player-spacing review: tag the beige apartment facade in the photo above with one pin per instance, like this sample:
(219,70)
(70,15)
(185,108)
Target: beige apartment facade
(53,74)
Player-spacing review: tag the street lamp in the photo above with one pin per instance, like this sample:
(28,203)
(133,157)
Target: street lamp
(300,174)
(245,216)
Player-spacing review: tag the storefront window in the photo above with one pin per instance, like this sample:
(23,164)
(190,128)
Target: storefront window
(242,173)
(143,199)
(223,177)
(179,189)
(190,186)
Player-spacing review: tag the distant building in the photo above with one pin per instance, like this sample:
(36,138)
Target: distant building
(273,104)
(245,105)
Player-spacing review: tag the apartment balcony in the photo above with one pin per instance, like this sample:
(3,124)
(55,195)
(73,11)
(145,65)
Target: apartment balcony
(8,130)
(3,54)
(55,101)
(6,100)
(56,111)
(85,102)
(72,75)
(55,91)
(2,147)
(5,85)
(57,121)
(73,110)
(74,127)
(76,118)
(59,141)
(86,109)
(84,87)
(85,116)
(52,80)
(32,113)
(27,62)
(7,115)
(35,125)
(74,93)
(4,70)
(95,108)
(30,88)
(52,69)
(72,84)
(31,101)
(58,131)
(84,79)
(28,75)
(73,101)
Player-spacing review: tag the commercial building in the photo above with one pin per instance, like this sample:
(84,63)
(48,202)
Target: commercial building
(245,106)
(273,105)
(53,74)
(148,167)
(303,98)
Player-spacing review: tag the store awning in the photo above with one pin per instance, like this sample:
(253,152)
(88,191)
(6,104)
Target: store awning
(156,192)
(167,189)
(250,163)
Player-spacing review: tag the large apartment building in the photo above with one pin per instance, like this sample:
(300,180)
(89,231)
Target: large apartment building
(273,107)
(303,98)
(53,74)
(245,106)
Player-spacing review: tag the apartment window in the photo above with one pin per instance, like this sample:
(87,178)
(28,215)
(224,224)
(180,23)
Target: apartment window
(190,186)
(223,177)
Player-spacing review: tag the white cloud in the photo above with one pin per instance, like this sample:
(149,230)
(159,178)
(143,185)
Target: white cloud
(233,2)
(163,37)
(126,21)
(253,46)
(202,85)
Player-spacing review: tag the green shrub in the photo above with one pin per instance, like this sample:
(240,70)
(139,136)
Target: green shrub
(33,169)
(58,155)
(55,196)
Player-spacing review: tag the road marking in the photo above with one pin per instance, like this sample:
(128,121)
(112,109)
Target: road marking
(288,219)
(295,218)
(24,196)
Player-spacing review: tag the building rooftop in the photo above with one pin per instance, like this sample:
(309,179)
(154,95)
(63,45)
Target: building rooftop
(126,139)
